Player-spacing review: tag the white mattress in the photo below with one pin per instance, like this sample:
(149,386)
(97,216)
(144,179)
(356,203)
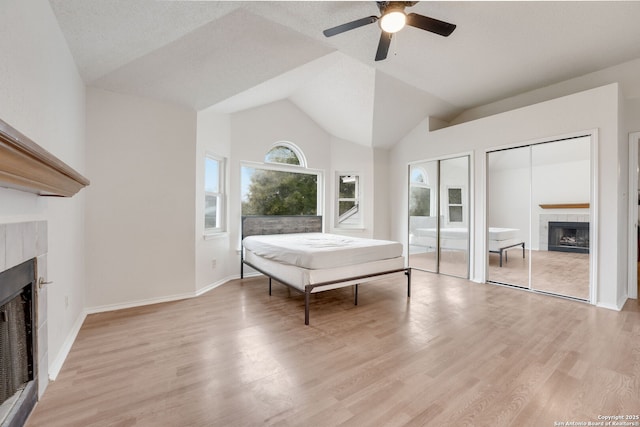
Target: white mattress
(300,277)
(321,250)
(497,233)
(457,238)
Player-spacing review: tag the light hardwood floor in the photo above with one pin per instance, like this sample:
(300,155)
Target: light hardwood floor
(456,353)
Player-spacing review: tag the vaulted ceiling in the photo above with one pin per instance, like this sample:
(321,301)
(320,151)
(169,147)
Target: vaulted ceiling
(236,55)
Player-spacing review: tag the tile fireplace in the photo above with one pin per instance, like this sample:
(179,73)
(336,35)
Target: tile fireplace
(23,319)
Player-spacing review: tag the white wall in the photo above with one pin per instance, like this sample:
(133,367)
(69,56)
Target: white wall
(380,193)
(140,217)
(43,97)
(213,137)
(593,109)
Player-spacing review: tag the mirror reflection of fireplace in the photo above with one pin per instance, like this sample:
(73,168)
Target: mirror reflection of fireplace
(569,237)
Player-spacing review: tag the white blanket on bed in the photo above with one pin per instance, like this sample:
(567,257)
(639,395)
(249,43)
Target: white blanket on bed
(321,250)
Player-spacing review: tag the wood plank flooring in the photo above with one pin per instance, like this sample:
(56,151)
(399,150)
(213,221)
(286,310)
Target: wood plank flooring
(455,354)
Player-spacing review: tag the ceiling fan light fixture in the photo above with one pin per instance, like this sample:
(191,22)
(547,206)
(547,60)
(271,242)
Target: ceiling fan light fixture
(393,21)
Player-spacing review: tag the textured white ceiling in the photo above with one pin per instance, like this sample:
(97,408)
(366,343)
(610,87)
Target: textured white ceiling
(238,55)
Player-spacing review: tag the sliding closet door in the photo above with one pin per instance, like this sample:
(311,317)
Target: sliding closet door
(454,217)
(508,216)
(539,199)
(423,218)
(561,190)
(439,216)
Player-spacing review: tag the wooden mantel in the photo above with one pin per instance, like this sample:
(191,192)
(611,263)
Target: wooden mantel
(26,166)
(566,206)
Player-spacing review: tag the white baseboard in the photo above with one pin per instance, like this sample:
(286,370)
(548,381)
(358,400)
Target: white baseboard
(138,303)
(56,365)
(617,307)
(214,285)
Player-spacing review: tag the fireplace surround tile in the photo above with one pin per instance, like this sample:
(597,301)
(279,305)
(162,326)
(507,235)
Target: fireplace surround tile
(14,245)
(43,358)
(29,239)
(20,242)
(42,293)
(42,240)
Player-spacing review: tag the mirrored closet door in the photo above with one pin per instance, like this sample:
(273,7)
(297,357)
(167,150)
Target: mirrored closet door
(538,200)
(439,216)
(508,216)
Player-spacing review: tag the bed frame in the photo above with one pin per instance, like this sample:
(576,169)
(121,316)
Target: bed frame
(281,224)
(503,250)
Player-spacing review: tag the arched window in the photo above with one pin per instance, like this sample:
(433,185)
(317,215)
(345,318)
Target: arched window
(282,185)
(419,193)
(418,176)
(286,153)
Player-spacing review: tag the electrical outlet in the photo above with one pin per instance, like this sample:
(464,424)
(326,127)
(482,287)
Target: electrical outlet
(214,262)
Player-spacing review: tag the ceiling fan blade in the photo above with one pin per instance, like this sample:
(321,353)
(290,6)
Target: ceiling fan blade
(383,46)
(350,26)
(430,24)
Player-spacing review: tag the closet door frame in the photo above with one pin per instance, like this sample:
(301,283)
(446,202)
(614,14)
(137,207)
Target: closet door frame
(593,207)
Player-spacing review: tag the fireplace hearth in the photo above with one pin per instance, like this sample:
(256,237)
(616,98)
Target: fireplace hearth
(569,237)
(18,382)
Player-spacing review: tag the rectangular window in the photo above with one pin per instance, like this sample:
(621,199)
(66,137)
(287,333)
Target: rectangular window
(420,201)
(213,194)
(455,204)
(280,190)
(348,213)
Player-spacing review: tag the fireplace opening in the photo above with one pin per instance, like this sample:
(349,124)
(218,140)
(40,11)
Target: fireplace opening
(569,237)
(18,384)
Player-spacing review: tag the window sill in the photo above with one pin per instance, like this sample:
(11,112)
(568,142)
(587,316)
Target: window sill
(214,235)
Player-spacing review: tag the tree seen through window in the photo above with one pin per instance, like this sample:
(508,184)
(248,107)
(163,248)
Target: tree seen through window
(268,191)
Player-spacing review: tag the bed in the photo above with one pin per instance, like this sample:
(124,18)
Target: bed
(294,251)
(501,239)
(424,234)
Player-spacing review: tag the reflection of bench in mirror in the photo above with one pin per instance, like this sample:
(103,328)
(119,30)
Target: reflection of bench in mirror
(504,249)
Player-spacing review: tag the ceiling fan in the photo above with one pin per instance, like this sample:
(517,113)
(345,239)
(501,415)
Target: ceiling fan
(391,20)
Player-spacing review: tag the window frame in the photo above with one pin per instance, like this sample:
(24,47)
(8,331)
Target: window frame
(424,183)
(291,146)
(461,204)
(220,196)
(357,199)
(284,167)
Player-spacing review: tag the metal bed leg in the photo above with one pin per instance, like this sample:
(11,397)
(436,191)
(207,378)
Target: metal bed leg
(269,286)
(408,273)
(306,307)
(355,300)
(522,250)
